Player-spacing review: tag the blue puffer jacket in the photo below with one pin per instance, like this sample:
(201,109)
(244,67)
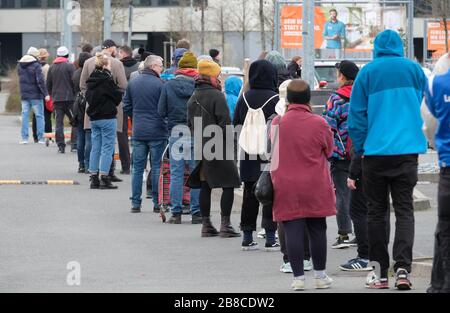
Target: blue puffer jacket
(31,79)
(384,117)
(233,86)
(173,101)
(141,103)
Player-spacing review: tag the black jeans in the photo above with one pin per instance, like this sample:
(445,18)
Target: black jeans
(282,238)
(397,174)
(340,172)
(226,201)
(124,147)
(317,231)
(440,276)
(48,123)
(250,208)
(62,109)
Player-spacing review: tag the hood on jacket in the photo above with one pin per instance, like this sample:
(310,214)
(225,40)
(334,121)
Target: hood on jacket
(177,55)
(388,43)
(184,87)
(27,60)
(262,75)
(60,60)
(98,77)
(84,56)
(233,86)
(129,62)
(345,91)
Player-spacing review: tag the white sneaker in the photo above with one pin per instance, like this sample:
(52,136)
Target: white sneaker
(23,142)
(42,142)
(298,284)
(323,283)
(262,234)
(286,268)
(307,265)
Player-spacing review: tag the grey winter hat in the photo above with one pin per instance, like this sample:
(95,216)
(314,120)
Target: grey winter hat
(33,52)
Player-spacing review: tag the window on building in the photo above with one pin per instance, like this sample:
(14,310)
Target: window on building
(53,3)
(31,3)
(6,4)
(422,8)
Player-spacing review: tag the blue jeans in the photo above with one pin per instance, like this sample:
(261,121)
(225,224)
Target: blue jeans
(103,140)
(178,160)
(37,105)
(141,151)
(81,143)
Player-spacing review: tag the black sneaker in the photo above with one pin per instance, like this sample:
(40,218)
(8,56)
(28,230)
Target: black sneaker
(175,219)
(402,280)
(136,210)
(156,209)
(61,149)
(125,172)
(114,179)
(249,246)
(353,242)
(81,170)
(342,242)
(186,210)
(272,247)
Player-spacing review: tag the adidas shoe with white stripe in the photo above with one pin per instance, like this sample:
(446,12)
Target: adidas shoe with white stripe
(356,265)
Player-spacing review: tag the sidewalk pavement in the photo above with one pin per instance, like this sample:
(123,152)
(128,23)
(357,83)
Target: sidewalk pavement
(43,228)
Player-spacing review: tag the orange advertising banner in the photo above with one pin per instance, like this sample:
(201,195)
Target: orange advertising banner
(291,27)
(436,35)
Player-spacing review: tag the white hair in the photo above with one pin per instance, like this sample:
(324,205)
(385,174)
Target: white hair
(152,60)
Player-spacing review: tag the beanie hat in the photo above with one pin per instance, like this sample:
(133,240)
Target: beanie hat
(33,52)
(204,57)
(298,97)
(62,51)
(208,68)
(348,69)
(178,54)
(108,43)
(189,60)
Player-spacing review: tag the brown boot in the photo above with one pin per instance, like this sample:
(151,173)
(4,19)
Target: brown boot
(208,230)
(226,230)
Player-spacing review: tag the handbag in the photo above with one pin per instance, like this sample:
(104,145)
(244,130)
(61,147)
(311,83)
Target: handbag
(264,187)
(49,105)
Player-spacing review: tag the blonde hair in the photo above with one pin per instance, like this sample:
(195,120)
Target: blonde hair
(101,60)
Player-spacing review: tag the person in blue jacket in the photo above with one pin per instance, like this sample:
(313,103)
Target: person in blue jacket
(438,102)
(233,86)
(385,126)
(176,57)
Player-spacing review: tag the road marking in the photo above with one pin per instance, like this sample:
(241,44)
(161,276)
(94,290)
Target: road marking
(46,182)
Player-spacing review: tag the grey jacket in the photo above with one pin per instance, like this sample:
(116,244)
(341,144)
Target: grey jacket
(59,81)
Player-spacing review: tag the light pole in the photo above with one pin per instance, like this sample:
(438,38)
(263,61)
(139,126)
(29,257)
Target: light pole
(308,42)
(130,22)
(66,34)
(107,19)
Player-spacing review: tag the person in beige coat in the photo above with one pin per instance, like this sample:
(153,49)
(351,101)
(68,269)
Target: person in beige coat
(118,73)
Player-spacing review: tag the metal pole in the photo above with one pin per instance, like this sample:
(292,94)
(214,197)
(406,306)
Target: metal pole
(411,30)
(277,27)
(130,23)
(425,41)
(308,42)
(67,27)
(107,19)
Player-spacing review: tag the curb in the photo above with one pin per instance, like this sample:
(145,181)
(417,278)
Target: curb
(47,182)
(422,267)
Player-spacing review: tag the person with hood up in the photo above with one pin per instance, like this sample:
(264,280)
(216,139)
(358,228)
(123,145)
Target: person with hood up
(336,113)
(278,61)
(233,86)
(172,106)
(84,135)
(170,72)
(60,86)
(103,96)
(32,92)
(303,195)
(215,170)
(263,86)
(385,126)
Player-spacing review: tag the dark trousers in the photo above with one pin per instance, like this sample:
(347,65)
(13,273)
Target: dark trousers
(340,172)
(295,232)
(48,123)
(226,201)
(397,174)
(62,109)
(440,276)
(358,213)
(124,147)
(250,208)
(283,247)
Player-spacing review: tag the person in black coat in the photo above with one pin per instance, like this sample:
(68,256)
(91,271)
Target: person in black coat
(103,96)
(217,170)
(294,67)
(263,85)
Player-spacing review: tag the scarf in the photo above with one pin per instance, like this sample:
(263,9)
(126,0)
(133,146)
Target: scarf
(187,72)
(213,81)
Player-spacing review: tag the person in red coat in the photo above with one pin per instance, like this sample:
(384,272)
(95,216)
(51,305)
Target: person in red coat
(303,190)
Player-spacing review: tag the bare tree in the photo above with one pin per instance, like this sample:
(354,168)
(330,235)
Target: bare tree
(262,23)
(243,20)
(179,21)
(269,19)
(220,18)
